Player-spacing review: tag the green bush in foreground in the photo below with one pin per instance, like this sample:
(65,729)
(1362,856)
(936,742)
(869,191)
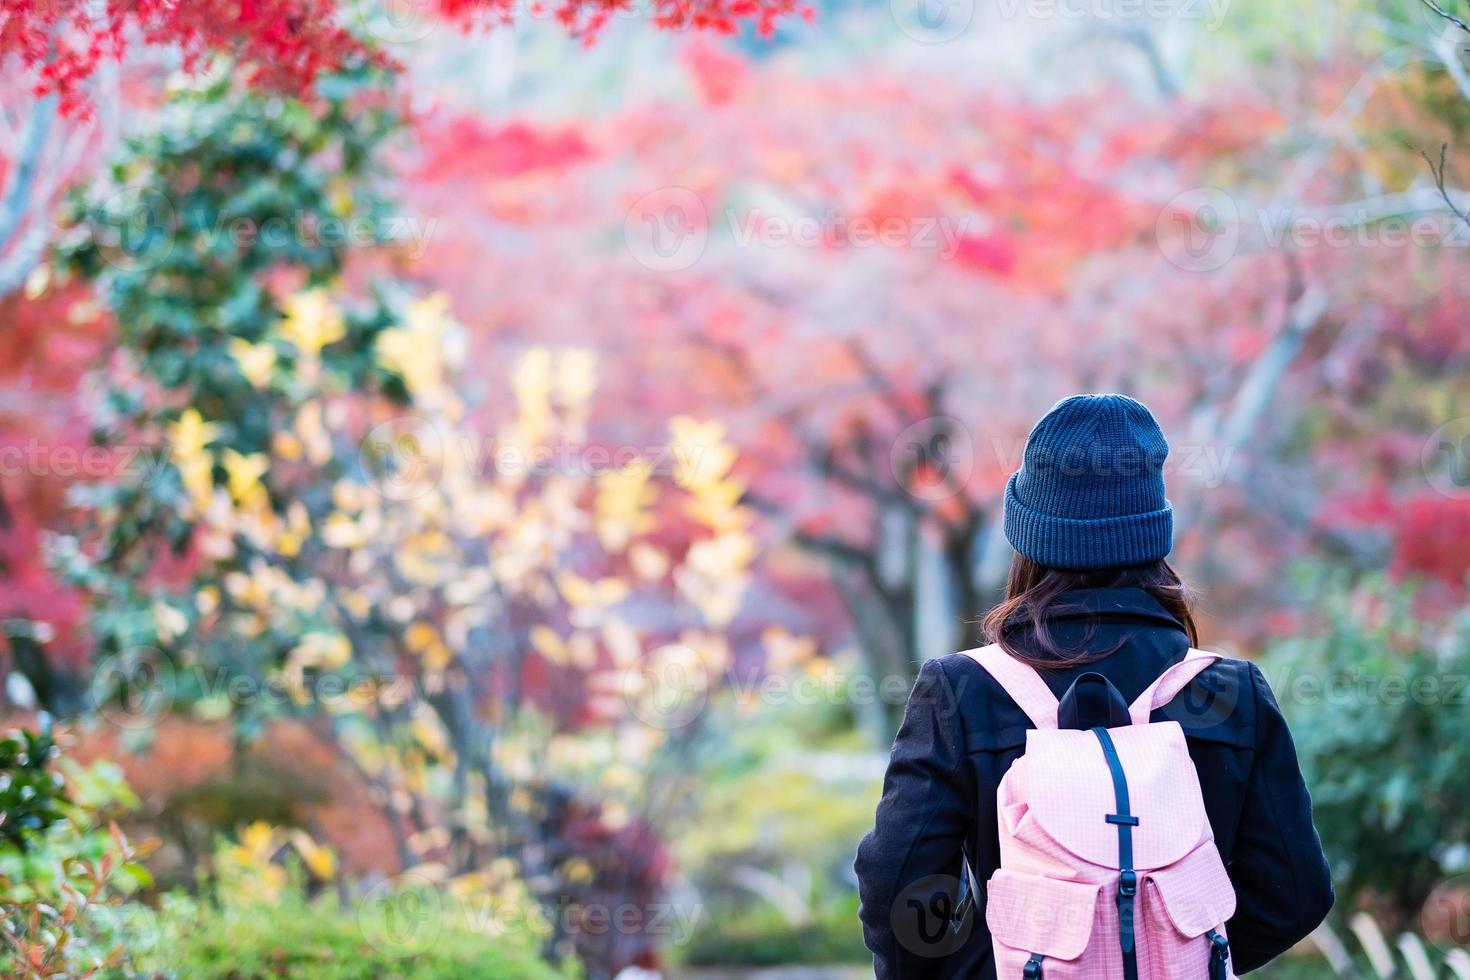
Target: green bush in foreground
(1376,694)
(759,935)
(320,939)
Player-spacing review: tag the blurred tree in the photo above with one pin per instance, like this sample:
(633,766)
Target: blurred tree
(881,386)
(63,60)
(319,527)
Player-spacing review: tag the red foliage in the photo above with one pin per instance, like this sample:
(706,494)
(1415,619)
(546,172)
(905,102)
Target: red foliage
(1045,274)
(464,148)
(1430,532)
(1433,539)
(719,73)
(587,18)
(44,448)
(281,43)
(287,44)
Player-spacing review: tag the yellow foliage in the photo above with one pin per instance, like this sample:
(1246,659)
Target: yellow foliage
(257,361)
(531,381)
(650,563)
(328,650)
(714,575)
(424,640)
(415,350)
(187,439)
(580,592)
(574,380)
(621,505)
(549,645)
(786,652)
(314,439)
(312,322)
(318,860)
(243,475)
(700,452)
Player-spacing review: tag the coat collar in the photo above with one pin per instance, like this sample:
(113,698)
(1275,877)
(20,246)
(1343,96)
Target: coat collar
(1125,605)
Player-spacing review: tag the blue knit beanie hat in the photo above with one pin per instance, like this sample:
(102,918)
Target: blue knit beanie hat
(1090,490)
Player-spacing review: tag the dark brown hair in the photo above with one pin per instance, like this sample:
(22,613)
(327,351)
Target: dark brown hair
(1033,592)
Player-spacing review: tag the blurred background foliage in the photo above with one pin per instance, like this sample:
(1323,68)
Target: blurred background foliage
(458,485)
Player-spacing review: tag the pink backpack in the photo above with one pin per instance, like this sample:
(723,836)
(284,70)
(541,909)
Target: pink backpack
(1108,867)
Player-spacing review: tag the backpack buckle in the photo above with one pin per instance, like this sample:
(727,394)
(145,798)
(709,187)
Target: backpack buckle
(1219,955)
(1128,883)
(1032,970)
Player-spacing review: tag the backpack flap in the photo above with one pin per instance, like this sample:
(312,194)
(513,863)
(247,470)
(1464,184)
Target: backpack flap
(1195,892)
(1041,915)
(1069,791)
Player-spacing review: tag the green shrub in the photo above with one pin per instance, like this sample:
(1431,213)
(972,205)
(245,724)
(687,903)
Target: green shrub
(759,935)
(320,939)
(784,801)
(32,793)
(1377,695)
(64,867)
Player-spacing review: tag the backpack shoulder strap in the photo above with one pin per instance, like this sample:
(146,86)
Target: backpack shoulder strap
(1173,680)
(1021,682)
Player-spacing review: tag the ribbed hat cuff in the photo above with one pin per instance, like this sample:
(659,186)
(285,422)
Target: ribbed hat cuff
(1104,542)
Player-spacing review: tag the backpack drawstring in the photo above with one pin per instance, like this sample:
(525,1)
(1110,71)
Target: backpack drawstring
(1127,877)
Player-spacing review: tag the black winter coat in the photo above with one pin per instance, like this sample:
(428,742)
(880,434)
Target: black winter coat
(960,734)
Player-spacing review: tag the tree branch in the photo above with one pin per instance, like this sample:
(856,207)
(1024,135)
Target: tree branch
(1438,173)
(1447,15)
(1307,303)
(19,199)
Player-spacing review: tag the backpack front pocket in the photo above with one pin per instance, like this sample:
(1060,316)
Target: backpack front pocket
(1041,925)
(1185,909)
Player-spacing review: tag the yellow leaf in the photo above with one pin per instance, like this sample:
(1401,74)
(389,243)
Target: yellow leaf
(341,531)
(549,645)
(312,321)
(329,650)
(318,860)
(256,361)
(38,281)
(258,839)
(244,473)
(649,562)
(190,434)
(314,438)
(574,377)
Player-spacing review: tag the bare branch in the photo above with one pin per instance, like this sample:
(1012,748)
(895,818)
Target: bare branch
(1447,15)
(1438,172)
(19,201)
